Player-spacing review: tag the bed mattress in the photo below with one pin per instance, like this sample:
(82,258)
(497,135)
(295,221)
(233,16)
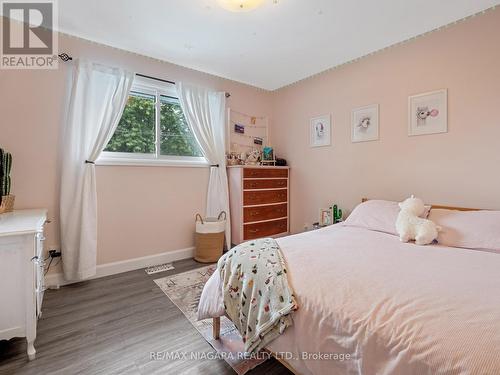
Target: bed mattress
(369,304)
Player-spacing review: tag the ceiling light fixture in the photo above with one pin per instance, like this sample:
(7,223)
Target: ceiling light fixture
(240,5)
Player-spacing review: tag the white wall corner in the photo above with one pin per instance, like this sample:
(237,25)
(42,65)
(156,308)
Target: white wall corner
(55,280)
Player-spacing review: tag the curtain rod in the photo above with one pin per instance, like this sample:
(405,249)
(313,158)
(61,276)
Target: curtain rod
(65,57)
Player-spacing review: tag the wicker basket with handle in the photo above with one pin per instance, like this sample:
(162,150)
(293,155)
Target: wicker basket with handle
(7,204)
(209,238)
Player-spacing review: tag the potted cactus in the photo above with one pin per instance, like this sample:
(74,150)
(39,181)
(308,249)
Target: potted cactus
(337,214)
(6,200)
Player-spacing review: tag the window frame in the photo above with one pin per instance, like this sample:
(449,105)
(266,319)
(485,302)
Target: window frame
(157,89)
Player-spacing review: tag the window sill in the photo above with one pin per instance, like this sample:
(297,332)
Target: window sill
(106,161)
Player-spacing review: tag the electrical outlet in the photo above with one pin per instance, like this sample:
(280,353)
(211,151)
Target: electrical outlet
(54,253)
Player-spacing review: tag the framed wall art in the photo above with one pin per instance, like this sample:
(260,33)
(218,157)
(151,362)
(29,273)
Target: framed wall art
(320,131)
(428,113)
(364,125)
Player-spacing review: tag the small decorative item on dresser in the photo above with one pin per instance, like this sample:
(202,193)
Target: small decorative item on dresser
(253,157)
(325,217)
(209,238)
(268,156)
(337,214)
(232,158)
(281,162)
(6,200)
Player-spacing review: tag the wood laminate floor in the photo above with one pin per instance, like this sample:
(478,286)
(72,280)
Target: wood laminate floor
(110,326)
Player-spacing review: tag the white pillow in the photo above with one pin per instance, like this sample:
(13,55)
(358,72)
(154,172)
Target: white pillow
(468,229)
(377,215)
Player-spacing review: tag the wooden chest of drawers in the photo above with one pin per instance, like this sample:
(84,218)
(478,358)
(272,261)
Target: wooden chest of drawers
(259,202)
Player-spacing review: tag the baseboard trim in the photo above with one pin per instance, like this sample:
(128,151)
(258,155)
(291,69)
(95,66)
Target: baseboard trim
(55,280)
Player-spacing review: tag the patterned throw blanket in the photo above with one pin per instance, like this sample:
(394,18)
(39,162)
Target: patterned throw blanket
(257,297)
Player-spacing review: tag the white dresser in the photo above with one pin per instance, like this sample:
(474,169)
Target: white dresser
(21,274)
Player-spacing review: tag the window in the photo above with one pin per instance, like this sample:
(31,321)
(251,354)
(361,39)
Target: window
(135,133)
(175,136)
(152,130)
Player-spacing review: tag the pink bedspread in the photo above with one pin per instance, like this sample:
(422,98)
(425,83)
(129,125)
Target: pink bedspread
(369,304)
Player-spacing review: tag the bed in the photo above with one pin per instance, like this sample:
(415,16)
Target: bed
(369,304)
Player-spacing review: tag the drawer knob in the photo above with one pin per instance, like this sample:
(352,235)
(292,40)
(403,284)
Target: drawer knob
(254,231)
(38,261)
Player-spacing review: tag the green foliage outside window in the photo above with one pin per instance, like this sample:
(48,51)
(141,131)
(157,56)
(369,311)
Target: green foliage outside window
(176,137)
(136,131)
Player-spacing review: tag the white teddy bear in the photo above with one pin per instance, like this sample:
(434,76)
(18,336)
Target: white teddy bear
(410,226)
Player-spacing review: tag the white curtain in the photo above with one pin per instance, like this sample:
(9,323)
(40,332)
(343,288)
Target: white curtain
(97,99)
(205,114)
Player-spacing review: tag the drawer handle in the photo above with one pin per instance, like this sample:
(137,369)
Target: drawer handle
(257,213)
(254,231)
(279,184)
(38,261)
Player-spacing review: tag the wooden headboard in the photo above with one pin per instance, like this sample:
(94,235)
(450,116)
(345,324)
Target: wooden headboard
(443,207)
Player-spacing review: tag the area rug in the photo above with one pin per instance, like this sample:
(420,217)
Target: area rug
(184,290)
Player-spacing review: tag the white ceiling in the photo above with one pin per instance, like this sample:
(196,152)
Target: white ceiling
(270,47)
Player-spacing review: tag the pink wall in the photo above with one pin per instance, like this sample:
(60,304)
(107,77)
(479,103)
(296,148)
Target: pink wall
(142,210)
(458,168)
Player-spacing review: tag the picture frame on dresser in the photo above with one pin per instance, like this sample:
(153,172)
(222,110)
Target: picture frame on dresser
(259,202)
(325,216)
